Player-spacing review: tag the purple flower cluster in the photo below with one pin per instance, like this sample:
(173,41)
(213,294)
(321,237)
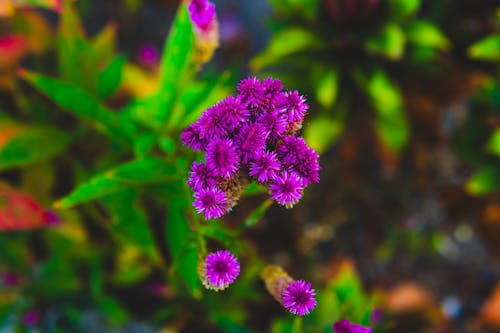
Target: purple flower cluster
(219,270)
(251,135)
(345,326)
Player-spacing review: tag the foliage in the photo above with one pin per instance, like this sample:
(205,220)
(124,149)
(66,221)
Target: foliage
(345,51)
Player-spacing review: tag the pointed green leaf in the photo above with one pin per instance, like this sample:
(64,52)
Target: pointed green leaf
(182,246)
(390,123)
(175,69)
(327,88)
(129,222)
(83,105)
(484,181)
(388,41)
(110,78)
(31,144)
(139,172)
(425,33)
(285,43)
(321,132)
(403,8)
(487,49)
(493,145)
(71,43)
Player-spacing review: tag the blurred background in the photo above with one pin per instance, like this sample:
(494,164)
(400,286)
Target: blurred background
(402,233)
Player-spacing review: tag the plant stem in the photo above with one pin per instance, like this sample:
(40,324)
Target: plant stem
(297,325)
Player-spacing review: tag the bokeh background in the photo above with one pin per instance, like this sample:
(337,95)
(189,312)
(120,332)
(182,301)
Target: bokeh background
(402,233)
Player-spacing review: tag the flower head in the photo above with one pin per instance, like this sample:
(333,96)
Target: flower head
(250,140)
(274,124)
(210,201)
(202,14)
(191,137)
(31,318)
(232,112)
(294,106)
(265,166)
(287,188)
(298,298)
(222,158)
(297,156)
(210,125)
(221,268)
(200,176)
(345,326)
(252,91)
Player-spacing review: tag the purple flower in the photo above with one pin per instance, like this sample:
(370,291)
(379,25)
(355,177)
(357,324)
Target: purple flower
(252,91)
(200,176)
(294,106)
(11,279)
(265,166)
(298,298)
(222,158)
(287,189)
(31,318)
(253,132)
(376,316)
(212,202)
(251,140)
(191,137)
(274,123)
(221,269)
(149,55)
(345,326)
(295,155)
(232,112)
(202,14)
(273,91)
(210,125)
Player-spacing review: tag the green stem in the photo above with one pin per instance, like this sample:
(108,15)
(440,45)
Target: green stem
(201,240)
(297,325)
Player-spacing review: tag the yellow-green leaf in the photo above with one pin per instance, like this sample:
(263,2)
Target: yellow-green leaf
(486,49)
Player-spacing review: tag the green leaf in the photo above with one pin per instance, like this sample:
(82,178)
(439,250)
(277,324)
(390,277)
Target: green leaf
(285,43)
(182,246)
(95,188)
(426,34)
(83,105)
(327,88)
(110,78)
(390,124)
(175,68)
(484,181)
(175,71)
(113,311)
(129,223)
(322,131)
(305,8)
(403,8)
(101,49)
(139,172)
(388,41)
(493,145)
(144,171)
(71,44)
(487,49)
(31,144)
